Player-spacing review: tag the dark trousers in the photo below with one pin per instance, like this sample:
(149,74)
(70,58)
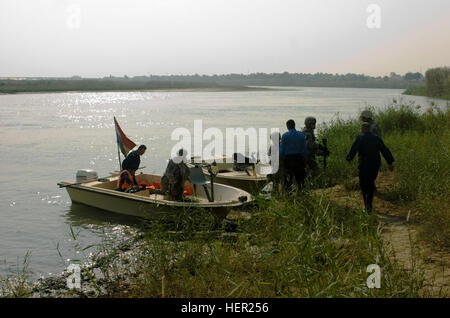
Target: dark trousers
(294,167)
(175,190)
(367,184)
(312,168)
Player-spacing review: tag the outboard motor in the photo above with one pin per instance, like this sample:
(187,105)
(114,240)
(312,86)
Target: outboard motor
(86,175)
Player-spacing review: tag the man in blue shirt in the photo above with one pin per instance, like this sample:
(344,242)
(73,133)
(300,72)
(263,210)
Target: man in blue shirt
(293,152)
(368,146)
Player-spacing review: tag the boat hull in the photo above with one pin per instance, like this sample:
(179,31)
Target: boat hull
(119,205)
(251,185)
(147,205)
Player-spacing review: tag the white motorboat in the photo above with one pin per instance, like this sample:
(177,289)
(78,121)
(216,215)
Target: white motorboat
(101,193)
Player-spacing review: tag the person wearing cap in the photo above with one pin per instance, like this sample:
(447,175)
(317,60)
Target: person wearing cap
(367,117)
(175,176)
(369,146)
(294,150)
(314,148)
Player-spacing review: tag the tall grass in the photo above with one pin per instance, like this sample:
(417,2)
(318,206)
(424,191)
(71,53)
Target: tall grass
(293,246)
(17,284)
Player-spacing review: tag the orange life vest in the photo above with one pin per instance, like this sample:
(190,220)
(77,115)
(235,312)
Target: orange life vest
(125,185)
(188,191)
(154,186)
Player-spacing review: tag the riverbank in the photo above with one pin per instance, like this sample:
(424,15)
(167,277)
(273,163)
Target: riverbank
(115,85)
(437,84)
(422,91)
(400,233)
(314,244)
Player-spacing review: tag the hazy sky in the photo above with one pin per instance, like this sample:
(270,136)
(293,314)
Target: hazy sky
(94,38)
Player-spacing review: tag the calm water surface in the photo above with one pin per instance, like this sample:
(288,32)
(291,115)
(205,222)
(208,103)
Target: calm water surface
(45,138)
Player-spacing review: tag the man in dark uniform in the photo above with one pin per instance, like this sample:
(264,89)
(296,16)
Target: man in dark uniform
(133,159)
(293,149)
(368,146)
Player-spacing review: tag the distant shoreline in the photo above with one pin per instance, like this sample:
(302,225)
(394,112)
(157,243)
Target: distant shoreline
(421,91)
(191,89)
(224,89)
(208,83)
(10,86)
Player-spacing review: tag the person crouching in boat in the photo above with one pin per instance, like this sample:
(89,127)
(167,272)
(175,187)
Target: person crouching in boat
(175,176)
(127,181)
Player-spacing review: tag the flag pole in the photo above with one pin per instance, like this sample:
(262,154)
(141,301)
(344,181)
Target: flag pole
(124,144)
(118,154)
(118,148)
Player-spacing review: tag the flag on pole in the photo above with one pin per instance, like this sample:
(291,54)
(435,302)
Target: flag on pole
(123,142)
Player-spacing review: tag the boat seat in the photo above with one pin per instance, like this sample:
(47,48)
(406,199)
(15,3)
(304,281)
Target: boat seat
(242,163)
(197,177)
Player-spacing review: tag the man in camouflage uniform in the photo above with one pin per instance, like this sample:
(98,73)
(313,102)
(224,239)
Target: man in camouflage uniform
(366,116)
(314,148)
(177,173)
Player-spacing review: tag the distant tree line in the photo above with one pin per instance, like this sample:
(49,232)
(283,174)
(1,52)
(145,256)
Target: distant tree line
(301,79)
(225,81)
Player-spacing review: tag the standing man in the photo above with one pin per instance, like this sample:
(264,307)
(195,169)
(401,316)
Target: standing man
(278,177)
(366,117)
(368,146)
(314,148)
(293,149)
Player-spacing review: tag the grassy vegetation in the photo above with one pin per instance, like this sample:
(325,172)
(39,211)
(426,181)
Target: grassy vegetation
(18,283)
(422,91)
(293,246)
(300,244)
(416,91)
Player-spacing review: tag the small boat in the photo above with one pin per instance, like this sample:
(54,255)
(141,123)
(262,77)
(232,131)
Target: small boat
(101,193)
(251,178)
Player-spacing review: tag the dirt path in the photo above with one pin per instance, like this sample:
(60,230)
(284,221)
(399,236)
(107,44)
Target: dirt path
(401,236)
